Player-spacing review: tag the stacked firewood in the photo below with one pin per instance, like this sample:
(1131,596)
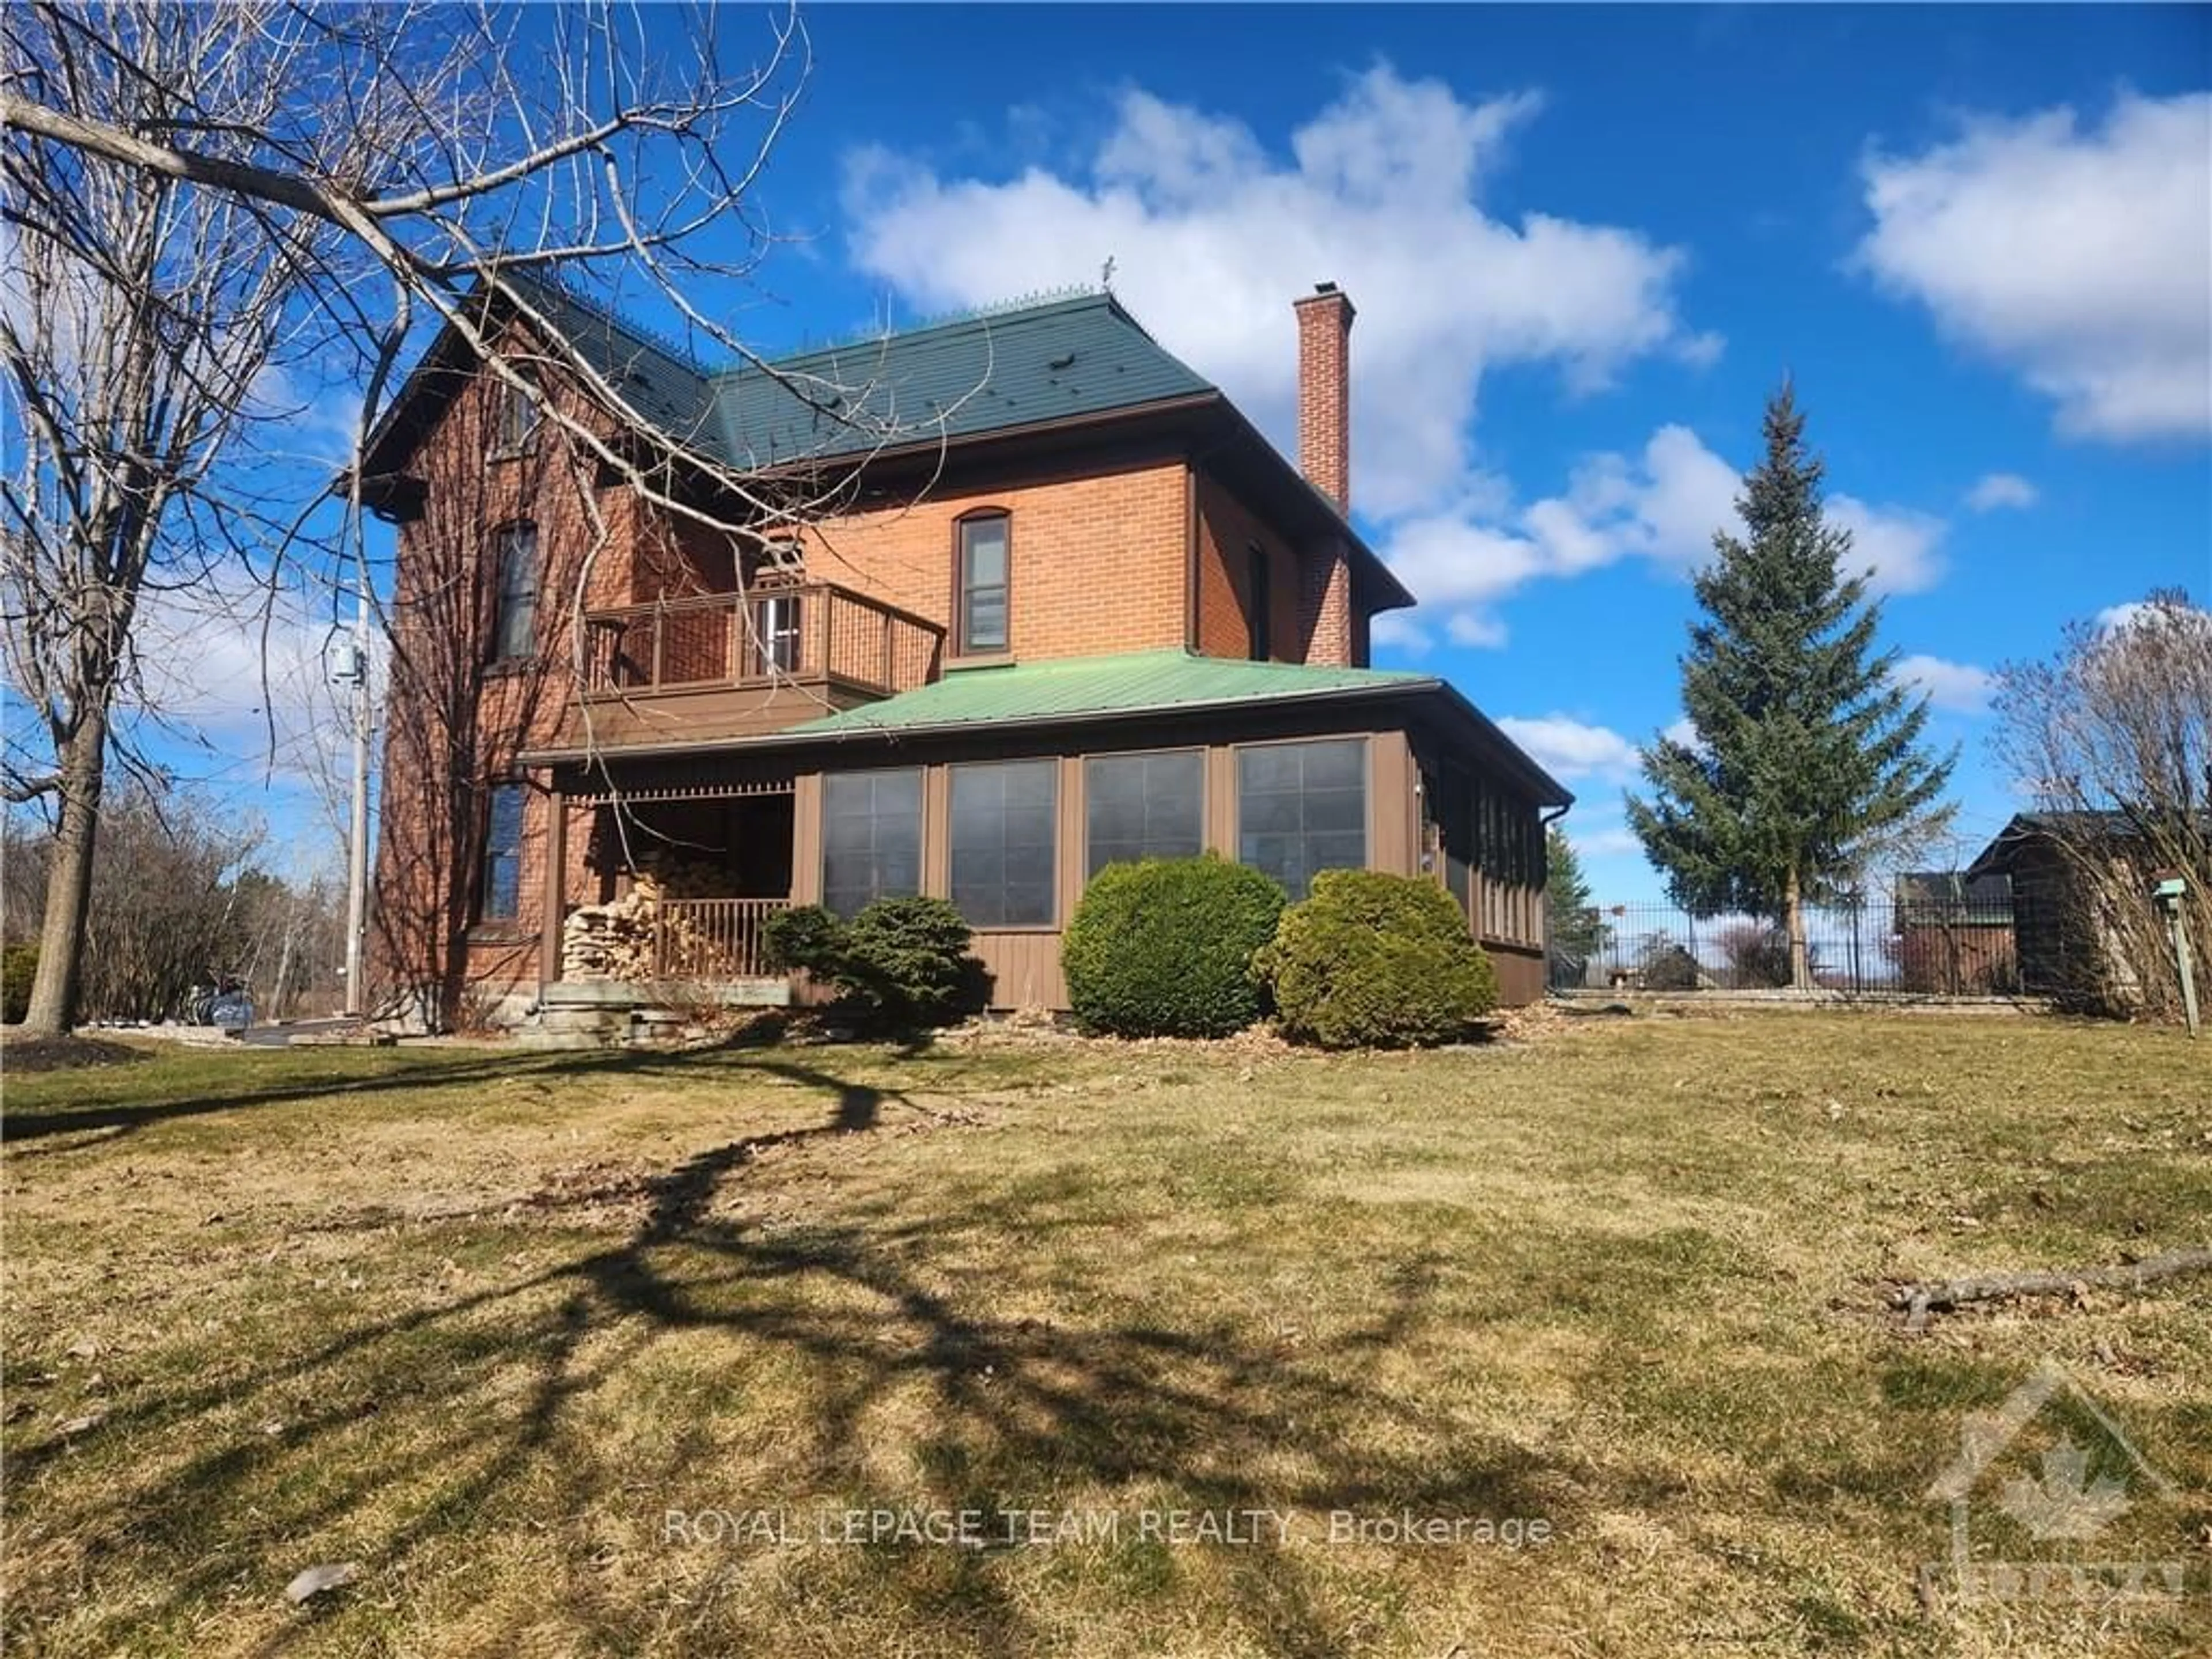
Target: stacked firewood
(615,941)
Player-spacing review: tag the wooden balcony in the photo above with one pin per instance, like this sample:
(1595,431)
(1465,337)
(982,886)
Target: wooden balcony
(733,665)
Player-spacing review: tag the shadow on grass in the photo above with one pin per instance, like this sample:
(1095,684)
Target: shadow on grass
(1185,1411)
(124,1116)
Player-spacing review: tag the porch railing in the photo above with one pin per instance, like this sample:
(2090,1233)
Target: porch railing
(718,938)
(810,633)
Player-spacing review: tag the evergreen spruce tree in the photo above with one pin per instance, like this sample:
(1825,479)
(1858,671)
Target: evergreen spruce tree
(1807,757)
(1572,932)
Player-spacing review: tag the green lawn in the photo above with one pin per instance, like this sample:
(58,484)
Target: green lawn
(550,1343)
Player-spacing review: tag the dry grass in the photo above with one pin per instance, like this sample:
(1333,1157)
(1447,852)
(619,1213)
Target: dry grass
(479,1321)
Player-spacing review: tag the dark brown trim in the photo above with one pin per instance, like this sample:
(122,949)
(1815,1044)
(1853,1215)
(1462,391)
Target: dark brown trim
(956,637)
(553,904)
(1258,602)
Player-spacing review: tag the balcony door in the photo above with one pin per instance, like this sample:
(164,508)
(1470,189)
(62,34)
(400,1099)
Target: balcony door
(776,642)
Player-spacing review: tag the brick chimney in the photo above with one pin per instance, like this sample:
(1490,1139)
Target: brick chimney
(1325,392)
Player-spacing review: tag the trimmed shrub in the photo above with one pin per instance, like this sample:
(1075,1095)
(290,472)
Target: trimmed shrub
(909,957)
(19,967)
(1375,961)
(806,937)
(905,960)
(1164,948)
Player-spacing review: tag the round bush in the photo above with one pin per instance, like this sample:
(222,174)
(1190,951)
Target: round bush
(1374,961)
(1164,948)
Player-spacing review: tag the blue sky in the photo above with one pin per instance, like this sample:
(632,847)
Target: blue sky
(1585,243)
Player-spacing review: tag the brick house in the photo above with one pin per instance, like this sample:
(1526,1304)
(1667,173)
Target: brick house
(1016,596)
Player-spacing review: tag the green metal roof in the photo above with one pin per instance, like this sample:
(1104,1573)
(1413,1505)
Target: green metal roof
(1013,366)
(1134,683)
(1083,356)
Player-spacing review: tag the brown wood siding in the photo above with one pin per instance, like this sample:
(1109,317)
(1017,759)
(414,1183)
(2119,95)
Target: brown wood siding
(806,839)
(1519,974)
(1024,968)
(1393,814)
(694,714)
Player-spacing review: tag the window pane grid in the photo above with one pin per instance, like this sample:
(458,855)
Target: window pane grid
(1144,806)
(984,576)
(1302,808)
(871,838)
(515,626)
(1005,831)
(502,864)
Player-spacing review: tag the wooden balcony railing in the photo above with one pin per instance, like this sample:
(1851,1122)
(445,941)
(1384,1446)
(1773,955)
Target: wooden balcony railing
(713,940)
(813,634)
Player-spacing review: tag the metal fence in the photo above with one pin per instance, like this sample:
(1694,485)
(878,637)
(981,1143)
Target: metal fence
(1933,946)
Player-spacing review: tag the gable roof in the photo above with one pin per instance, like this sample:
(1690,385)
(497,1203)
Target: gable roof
(1954,898)
(2026,828)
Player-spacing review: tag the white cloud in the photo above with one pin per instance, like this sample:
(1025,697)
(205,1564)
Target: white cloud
(2079,258)
(1568,749)
(1683,733)
(1897,547)
(1958,686)
(240,681)
(1474,629)
(2001,489)
(2114,618)
(1213,235)
(1399,630)
(1663,504)
(1614,840)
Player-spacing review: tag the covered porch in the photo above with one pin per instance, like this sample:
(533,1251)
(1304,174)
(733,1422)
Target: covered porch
(679,872)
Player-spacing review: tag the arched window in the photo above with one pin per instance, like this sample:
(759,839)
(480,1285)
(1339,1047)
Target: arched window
(982,569)
(514,627)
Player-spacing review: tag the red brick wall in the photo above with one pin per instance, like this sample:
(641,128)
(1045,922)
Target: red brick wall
(1227,531)
(455,720)
(1325,610)
(1098,562)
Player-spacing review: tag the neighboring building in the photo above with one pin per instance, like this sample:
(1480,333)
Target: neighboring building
(1955,934)
(2072,914)
(1024,595)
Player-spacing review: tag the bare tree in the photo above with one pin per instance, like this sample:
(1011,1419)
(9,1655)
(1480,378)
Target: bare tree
(459,154)
(2112,737)
(150,334)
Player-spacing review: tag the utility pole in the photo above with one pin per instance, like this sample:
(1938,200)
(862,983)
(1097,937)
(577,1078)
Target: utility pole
(356,953)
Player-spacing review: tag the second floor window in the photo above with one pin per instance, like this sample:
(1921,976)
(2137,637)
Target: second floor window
(515,432)
(514,627)
(1260,601)
(981,567)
